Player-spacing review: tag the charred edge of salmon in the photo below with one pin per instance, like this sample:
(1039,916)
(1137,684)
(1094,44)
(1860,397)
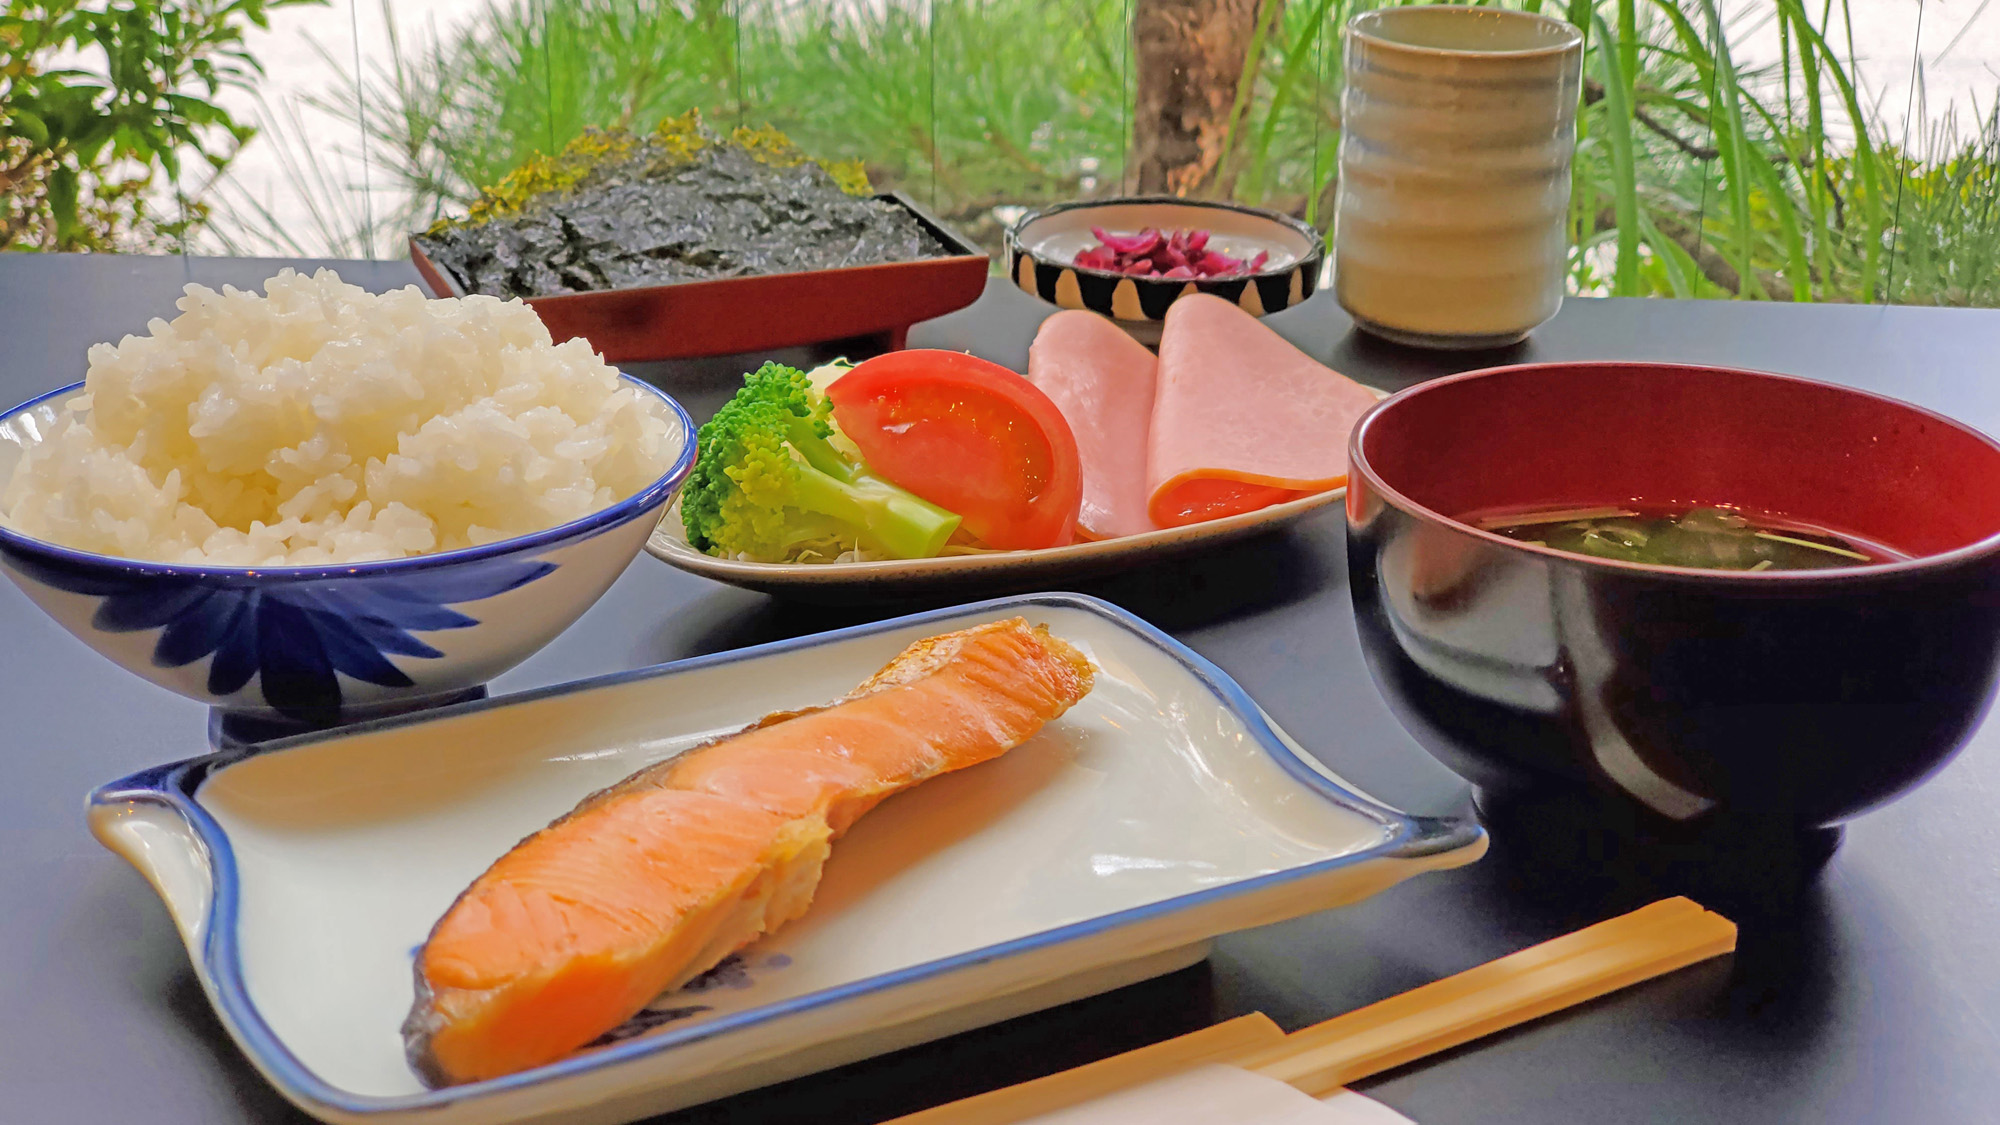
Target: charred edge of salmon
(424,1019)
(917,660)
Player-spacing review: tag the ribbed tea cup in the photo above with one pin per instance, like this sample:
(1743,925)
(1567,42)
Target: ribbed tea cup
(1458,126)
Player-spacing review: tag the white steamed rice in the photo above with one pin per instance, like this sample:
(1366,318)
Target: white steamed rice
(324,424)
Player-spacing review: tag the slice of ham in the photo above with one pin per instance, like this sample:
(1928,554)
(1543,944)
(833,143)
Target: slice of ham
(1242,418)
(1102,380)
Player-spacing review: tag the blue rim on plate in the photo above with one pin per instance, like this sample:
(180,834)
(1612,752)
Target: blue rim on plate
(173,786)
(620,512)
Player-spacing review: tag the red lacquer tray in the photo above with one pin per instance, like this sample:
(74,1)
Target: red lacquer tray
(748,314)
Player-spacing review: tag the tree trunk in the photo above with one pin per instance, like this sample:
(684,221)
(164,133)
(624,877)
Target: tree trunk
(1191,61)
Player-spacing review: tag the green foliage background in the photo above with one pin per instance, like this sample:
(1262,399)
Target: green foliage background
(1695,174)
(97,97)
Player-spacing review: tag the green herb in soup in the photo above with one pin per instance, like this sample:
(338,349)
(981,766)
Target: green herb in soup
(1708,538)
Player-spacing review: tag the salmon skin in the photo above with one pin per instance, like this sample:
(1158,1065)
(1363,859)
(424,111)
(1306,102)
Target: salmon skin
(651,882)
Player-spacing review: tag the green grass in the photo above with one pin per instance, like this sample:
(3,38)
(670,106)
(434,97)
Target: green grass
(333,218)
(448,117)
(1694,174)
(1034,110)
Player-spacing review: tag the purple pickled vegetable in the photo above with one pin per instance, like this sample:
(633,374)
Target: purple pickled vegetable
(1128,244)
(1099,258)
(1178,255)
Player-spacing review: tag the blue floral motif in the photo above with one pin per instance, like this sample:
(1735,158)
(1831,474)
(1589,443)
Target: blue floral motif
(297,635)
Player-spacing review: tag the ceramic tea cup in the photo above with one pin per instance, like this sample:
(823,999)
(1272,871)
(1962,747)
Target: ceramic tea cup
(1458,128)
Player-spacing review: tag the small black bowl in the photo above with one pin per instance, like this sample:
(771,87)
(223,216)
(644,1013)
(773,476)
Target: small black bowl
(1042,247)
(1679,712)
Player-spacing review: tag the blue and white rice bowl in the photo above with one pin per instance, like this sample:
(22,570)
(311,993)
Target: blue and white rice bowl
(319,645)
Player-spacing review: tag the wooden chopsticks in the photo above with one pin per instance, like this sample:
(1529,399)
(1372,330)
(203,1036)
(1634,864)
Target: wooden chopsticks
(1651,941)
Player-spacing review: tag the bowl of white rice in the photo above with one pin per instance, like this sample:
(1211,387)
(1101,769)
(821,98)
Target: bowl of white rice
(318,504)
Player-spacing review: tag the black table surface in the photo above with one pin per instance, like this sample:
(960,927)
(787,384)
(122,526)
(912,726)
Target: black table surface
(1875,998)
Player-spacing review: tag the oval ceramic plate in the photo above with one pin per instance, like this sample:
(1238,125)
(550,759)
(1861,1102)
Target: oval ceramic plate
(985,574)
(1161,811)
(992,572)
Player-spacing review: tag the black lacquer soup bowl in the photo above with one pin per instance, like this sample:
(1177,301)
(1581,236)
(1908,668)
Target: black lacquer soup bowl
(1676,706)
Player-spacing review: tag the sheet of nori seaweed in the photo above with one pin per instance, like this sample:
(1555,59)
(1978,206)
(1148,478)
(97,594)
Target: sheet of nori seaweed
(648,222)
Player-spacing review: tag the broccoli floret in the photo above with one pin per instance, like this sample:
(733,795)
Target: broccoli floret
(766,480)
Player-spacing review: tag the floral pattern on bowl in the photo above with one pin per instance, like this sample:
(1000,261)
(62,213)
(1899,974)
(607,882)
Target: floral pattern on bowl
(296,639)
(317,646)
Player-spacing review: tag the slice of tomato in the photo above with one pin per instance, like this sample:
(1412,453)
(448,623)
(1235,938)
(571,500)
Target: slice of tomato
(969,436)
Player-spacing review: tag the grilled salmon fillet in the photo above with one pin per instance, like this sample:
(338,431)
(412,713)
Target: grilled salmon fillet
(654,880)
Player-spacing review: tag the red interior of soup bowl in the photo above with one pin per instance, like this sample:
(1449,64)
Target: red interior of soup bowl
(1671,436)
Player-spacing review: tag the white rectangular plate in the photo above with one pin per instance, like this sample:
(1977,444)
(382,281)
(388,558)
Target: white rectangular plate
(1161,811)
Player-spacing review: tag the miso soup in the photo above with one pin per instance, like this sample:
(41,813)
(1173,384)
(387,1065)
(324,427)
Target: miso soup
(1708,538)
